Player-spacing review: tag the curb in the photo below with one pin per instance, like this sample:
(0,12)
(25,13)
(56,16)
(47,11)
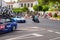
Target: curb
(54,19)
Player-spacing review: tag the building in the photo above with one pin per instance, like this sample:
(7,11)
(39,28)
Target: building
(2,3)
(28,3)
(22,3)
(10,4)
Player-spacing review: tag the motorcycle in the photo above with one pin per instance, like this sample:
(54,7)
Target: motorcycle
(35,20)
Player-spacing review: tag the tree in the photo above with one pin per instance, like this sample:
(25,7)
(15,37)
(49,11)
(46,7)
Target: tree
(59,7)
(54,1)
(40,7)
(53,4)
(37,8)
(45,7)
(43,2)
(40,2)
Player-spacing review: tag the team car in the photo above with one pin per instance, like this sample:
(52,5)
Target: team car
(7,25)
(19,19)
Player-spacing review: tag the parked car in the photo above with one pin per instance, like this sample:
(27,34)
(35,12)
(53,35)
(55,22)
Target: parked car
(19,19)
(7,25)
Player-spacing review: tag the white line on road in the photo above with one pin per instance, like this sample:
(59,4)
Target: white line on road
(26,36)
(57,32)
(50,30)
(38,35)
(53,31)
(55,38)
(38,28)
(34,27)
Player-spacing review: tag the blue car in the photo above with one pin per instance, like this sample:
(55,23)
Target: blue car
(19,19)
(7,25)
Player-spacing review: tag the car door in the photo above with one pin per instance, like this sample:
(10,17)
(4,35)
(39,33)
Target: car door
(10,24)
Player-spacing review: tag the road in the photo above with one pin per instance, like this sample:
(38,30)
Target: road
(45,30)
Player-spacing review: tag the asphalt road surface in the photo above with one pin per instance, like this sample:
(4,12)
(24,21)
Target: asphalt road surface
(45,30)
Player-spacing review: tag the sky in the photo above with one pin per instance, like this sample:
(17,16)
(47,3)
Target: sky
(9,0)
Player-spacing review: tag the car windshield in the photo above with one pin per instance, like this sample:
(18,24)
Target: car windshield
(5,20)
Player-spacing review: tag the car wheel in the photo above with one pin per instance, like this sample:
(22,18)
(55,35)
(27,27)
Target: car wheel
(24,21)
(14,28)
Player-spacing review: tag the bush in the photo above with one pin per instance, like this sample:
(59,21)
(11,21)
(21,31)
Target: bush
(25,9)
(17,10)
(55,15)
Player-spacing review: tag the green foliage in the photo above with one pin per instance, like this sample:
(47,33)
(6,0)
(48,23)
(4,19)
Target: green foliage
(51,4)
(45,7)
(59,8)
(40,8)
(37,8)
(55,15)
(43,2)
(17,10)
(54,1)
(25,9)
(40,2)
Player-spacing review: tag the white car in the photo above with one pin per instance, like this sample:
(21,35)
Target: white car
(19,19)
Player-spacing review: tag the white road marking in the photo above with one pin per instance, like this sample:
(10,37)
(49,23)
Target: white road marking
(38,35)
(26,36)
(34,27)
(18,37)
(57,32)
(55,38)
(50,30)
(38,28)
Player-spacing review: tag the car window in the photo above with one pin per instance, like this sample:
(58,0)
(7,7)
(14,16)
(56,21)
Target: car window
(7,20)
